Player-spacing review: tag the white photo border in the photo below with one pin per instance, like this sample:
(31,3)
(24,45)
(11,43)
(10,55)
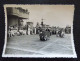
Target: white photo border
(34,56)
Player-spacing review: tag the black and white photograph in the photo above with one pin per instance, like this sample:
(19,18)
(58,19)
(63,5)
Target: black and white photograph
(39,31)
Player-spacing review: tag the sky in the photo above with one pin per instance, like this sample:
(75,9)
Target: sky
(53,15)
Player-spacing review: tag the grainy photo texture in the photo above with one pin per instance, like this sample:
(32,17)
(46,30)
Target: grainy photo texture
(39,31)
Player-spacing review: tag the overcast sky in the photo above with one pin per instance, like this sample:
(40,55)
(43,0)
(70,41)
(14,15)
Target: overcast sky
(53,15)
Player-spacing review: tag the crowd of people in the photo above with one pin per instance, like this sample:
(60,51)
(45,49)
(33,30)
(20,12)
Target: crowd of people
(58,31)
